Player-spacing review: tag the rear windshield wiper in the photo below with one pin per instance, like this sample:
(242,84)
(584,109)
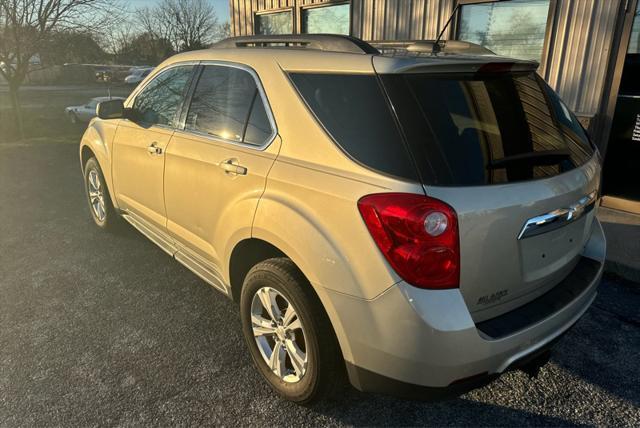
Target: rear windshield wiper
(546,157)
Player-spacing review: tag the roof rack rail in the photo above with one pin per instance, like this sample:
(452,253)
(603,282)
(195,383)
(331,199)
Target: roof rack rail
(323,42)
(427,46)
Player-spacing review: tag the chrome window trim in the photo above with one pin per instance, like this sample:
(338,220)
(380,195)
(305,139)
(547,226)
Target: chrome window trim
(265,103)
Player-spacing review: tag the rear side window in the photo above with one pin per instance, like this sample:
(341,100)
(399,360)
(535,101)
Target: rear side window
(486,129)
(355,113)
(227,104)
(258,127)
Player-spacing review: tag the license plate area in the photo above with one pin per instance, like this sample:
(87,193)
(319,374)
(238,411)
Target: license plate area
(546,254)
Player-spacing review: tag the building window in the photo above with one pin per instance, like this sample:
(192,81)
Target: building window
(274,23)
(332,19)
(634,43)
(515,29)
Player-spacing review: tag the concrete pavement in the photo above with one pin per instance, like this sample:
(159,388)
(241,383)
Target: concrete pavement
(622,230)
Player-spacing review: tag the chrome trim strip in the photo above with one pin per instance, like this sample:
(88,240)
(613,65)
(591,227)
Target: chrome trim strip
(154,235)
(196,264)
(558,218)
(202,268)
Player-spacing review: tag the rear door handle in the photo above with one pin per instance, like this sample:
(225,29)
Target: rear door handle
(232,167)
(154,149)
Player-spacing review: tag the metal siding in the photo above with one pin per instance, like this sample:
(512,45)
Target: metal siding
(417,19)
(580,51)
(399,19)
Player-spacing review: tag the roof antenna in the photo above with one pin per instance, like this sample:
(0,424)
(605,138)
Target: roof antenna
(436,46)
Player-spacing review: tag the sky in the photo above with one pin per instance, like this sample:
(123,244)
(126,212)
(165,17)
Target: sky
(221,7)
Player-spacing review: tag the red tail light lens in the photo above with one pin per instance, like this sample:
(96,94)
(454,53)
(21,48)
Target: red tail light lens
(418,235)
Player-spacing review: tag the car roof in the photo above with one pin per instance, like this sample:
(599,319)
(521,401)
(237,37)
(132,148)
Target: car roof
(332,53)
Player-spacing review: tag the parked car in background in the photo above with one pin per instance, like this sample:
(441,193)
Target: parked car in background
(137,75)
(416,216)
(103,74)
(86,112)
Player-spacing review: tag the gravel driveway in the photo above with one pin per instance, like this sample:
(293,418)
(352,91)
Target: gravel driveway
(100,329)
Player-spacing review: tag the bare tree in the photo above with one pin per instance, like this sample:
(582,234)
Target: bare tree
(223,31)
(25,28)
(188,24)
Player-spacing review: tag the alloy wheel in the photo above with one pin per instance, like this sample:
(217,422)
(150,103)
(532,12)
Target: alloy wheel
(96,195)
(279,334)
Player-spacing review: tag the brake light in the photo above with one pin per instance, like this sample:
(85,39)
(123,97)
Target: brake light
(418,236)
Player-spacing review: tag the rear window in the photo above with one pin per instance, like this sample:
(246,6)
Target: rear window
(449,131)
(355,113)
(486,129)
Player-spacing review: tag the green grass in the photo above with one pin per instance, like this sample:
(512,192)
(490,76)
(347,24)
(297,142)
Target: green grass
(43,112)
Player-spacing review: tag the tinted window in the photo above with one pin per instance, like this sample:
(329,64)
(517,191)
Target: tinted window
(353,109)
(491,129)
(224,100)
(274,23)
(258,128)
(514,28)
(160,99)
(634,41)
(327,19)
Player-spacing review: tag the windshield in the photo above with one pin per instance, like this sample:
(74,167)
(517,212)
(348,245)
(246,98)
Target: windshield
(486,129)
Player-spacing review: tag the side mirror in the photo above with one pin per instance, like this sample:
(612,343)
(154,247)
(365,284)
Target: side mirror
(112,109)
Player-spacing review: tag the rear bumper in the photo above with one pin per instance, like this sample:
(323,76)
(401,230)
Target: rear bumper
(369,381)
(424,343)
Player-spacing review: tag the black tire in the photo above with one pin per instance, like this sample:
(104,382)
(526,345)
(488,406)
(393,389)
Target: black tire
(324,376)
(111,218)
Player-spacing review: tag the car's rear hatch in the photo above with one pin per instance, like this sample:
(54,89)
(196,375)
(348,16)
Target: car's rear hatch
(491,139)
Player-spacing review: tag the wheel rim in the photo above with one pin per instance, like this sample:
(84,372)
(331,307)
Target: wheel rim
(279,334)
(96,195)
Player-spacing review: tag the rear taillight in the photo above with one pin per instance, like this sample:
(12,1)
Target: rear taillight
(417,234)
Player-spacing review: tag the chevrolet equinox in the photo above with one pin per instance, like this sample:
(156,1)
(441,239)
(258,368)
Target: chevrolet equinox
(418,216)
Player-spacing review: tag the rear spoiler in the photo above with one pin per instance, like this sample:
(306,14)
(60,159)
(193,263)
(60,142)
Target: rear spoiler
(429,46)
(452,64)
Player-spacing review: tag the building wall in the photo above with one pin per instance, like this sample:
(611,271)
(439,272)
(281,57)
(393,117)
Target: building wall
(580,51)
(370,19)
(400,20)
(242,12)
(575,63)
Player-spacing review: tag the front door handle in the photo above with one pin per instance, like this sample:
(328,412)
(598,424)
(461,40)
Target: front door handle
(232,167)
(154,149)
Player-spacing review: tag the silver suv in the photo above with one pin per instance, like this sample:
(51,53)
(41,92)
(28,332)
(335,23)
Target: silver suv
(414,217)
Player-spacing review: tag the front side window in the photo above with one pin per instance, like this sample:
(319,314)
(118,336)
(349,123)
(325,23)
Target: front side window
(159,101)
(514,29)
(332,19)
(274,23)
(227,104)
